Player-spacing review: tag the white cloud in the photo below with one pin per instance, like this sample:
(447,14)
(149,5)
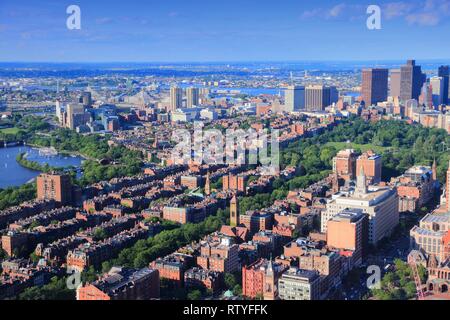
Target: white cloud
(413,12)
(423,19)
(397,9)
(311,13)
(336,10)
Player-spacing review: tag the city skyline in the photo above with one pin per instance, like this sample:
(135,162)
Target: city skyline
(177,31)
(191,152)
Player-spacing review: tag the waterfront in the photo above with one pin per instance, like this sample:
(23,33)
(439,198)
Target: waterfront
(13,174)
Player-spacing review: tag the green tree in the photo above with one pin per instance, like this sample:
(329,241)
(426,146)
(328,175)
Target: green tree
(230,280)
(194,295)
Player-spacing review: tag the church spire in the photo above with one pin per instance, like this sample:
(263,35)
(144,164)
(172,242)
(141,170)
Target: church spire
(234,212)
(361,182)
(208,185)
(434,170)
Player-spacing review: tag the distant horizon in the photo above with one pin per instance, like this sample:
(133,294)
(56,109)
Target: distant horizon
(226,61)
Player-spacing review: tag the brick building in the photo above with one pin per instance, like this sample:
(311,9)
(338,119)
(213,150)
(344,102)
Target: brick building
(234,183)
(220,255)
(257,221)
(54,186)
(201,278)
(314,256)
(348,231)
(183,215)
(260,279)
(371,163)
(344,164)
(173,266)
(191,182)
(415,188)
(123,284)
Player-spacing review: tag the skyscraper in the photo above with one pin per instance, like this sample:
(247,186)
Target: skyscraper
(176,98)
(374,85)
(445,75)
(411,81)
(334,95)
(317,97)
(76,115)
(395,83)
(192,95)
(58,110)
(86,99)
(294,97)
(437,87)
(426,96)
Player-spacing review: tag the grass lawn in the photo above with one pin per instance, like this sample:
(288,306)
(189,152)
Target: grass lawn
(362,147)
(9,130)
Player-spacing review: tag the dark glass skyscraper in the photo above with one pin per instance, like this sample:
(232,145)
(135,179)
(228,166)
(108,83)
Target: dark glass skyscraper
(444,74)
(374,85)
(411,81)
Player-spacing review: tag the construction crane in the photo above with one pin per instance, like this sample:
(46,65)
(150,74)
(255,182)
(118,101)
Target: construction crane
(412,260)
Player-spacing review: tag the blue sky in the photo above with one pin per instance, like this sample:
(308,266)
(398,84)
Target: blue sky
(232,30)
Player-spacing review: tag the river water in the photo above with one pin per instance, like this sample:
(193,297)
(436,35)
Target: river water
(12,174)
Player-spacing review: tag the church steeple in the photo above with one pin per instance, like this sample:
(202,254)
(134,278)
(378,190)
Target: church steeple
(208,185)
(434,170)
(234,212)
(361,182)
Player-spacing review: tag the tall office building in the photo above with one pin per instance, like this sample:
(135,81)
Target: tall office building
(192,97)
(58,108)
(437,88)
(395,83)
(380,203)
(176,98)
(317,97)
(411,81)
(374,85)
(76,116)
(54,186)
(426,95)
(86,99)
(444,73)
(294,98)
(348,230)
(334,95)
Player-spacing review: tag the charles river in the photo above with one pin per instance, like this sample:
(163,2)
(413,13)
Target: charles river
(12,174)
